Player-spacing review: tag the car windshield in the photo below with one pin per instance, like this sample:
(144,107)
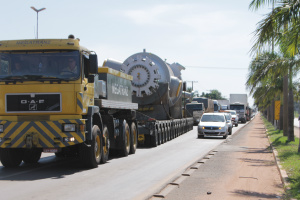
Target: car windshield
(31,66)
(212,118)
(233,112)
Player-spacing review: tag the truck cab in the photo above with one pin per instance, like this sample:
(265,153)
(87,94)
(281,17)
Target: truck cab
(195,110)
(56,99)
(241,110)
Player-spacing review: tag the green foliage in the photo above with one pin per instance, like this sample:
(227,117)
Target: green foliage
(214,94)
(289,158)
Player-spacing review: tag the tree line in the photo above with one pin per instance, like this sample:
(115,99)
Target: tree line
(275,62)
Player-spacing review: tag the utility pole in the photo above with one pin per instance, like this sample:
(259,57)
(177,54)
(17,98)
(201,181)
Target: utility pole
(192,84)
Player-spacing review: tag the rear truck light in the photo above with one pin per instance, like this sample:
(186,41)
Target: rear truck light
(69,127)
(68,139)
(1,128)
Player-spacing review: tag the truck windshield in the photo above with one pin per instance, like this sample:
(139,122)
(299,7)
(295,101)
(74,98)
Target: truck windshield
(236,107)
(39,66)
(194,107)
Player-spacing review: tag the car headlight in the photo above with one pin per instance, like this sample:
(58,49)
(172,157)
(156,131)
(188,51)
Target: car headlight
(69,127)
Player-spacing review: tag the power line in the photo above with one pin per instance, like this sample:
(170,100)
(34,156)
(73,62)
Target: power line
(240,68)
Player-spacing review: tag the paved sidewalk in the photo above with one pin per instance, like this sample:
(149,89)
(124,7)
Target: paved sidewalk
(243,167)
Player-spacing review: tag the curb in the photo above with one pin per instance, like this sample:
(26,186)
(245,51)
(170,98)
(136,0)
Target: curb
(283,175)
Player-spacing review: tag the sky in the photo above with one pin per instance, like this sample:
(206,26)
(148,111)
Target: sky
(211,39)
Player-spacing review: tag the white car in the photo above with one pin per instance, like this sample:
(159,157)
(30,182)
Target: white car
(213,124)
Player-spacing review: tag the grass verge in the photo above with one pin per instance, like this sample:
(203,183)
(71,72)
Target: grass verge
(289,158)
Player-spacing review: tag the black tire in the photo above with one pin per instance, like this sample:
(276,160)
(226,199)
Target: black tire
(133,138)
(159,134)
(125,141)
(11,157)
(105,145)
(91,154)
(168,133)
(225,136)
(154,138)
(236,125)
(32,155)
(200,136)
(163,135)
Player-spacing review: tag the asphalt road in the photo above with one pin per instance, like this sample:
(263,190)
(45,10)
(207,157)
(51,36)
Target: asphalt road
(137,176)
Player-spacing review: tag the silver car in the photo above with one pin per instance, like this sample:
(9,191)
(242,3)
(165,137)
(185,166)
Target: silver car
(234,117)
(229,122)
(213,124)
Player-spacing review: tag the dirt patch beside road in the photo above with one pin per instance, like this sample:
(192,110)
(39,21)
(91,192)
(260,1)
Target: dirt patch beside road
(243,168)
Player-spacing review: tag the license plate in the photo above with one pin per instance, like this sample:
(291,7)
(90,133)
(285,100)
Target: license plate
(50,150)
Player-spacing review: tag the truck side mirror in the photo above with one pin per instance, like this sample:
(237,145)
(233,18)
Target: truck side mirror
(93,64)
(184,86)
(91,79)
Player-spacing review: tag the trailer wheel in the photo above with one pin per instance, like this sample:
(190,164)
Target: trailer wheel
(125,144)
(11,157)
(154,138)
(90,154)
(133,138)
(163,135)
(105,145)
(32,155)
(159,133)
(168,133)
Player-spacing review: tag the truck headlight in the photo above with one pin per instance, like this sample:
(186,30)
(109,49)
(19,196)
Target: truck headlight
(1,128)
(69,127)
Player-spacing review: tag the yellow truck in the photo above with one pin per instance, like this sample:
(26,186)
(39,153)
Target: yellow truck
(54,98)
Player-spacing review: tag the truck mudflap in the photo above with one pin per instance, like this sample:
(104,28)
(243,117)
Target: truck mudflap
(41,134)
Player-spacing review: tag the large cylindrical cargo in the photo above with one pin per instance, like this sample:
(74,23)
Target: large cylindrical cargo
(155,83)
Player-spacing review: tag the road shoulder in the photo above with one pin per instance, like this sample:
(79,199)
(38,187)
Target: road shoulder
(242,168)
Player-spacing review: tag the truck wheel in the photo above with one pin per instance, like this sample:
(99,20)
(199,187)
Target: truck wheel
(159,134)
(133,138)
(168,133)
(154,139)
(91,154)
(125,144)
(105,145)
(11,157)
(32,155)
(163,135)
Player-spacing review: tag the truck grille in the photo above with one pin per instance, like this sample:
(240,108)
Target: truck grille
(33,102)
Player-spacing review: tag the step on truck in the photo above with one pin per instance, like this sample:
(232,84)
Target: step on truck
(55,99)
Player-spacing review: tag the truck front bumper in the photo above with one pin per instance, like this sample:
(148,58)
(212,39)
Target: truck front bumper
(41,134)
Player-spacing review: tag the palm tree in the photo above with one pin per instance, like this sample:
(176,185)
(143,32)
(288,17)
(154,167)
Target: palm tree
(283,19)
